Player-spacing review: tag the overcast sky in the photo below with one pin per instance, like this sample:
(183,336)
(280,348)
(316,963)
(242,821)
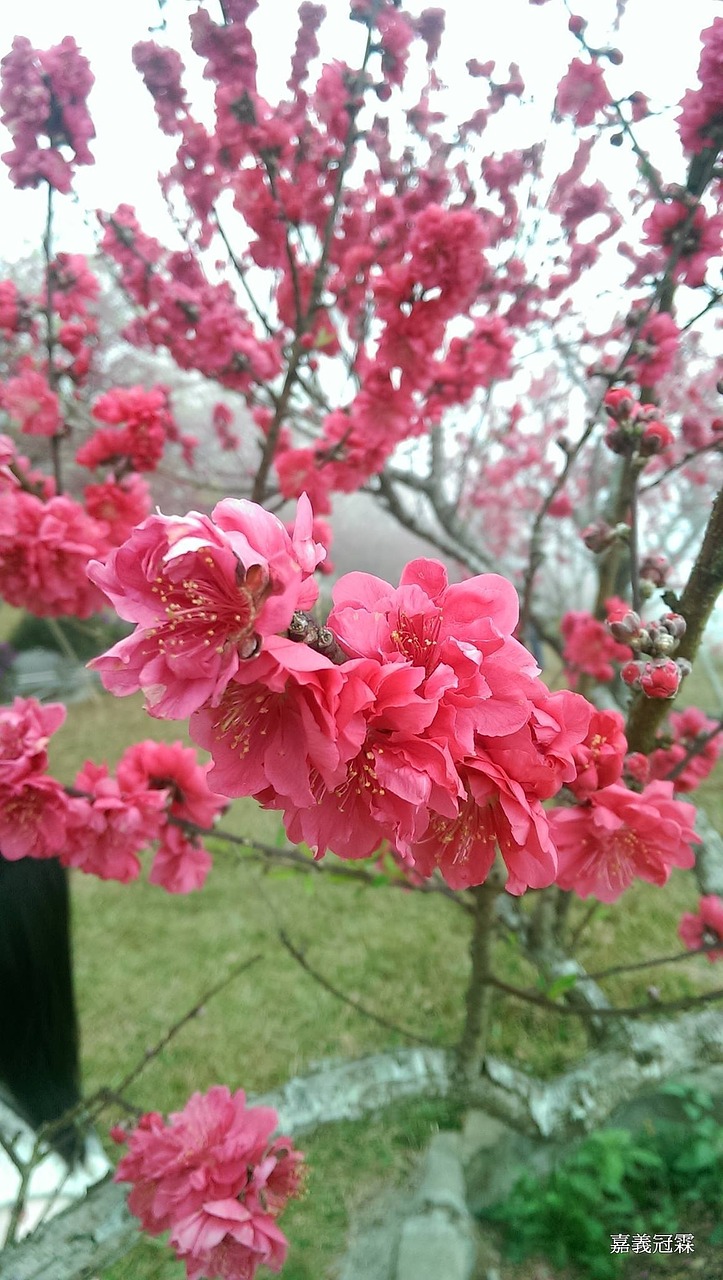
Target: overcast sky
(661,43)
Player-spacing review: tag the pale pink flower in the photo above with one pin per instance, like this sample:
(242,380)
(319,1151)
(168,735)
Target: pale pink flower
(619,836)
(25,730)
(33,816)
(204,592)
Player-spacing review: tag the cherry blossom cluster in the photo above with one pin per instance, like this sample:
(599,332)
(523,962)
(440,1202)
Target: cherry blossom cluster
(701,119)
(416,719)
(215,1177)
(43,100)
(158,795)
(654,672)
(636,428)
(144,423)
(47,539)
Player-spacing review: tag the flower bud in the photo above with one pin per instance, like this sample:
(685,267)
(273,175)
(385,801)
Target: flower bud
(660,679)
(655,567)
(598,536)
(665,644)
(631,673)
(619,403)
(674,624)
(656,437)
(619,441)
(625,627)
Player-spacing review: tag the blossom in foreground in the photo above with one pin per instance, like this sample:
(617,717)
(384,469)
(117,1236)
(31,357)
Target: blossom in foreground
(619,836)
(704,927)
(214,1177)
(203,592)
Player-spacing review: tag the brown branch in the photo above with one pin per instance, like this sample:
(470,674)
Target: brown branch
(173,1030)
(651,964)
(297,349)
(472,1046)
(696,605)
(620,1011)
(333,990)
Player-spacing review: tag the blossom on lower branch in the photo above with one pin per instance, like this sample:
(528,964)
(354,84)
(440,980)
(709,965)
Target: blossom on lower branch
(619,835)
(215,1177)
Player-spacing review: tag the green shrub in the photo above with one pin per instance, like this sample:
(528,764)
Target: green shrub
(69,636)
(617,1182)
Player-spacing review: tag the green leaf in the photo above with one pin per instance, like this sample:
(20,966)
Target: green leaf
(564,983)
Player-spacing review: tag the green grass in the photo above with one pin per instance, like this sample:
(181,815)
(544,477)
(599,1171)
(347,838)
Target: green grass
(143,958)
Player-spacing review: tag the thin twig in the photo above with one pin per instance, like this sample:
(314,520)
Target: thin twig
(620,1011)
(333,990)
(650,964)
(150,1054)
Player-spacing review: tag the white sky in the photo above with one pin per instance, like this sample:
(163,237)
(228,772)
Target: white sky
(660,40)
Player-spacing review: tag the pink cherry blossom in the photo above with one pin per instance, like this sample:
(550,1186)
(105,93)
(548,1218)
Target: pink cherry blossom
(172,768)
(289,714)
(589,647)
(214,1176)
(496,814)
(108,827)
(582,92)
(25,730)
(31,403)
(33,817)
(687,727)
(600,757)
(180,863)
(203,591)
(618,836)
(704,927)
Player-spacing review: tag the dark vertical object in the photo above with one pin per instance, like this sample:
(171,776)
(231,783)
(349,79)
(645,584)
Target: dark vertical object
(39,1066)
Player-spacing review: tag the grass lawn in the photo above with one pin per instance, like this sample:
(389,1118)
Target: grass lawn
(144,957)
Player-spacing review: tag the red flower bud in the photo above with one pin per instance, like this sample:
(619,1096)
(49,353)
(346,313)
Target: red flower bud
(619,403)
(598,536)
(660,679)
(655,438)
(631,672)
